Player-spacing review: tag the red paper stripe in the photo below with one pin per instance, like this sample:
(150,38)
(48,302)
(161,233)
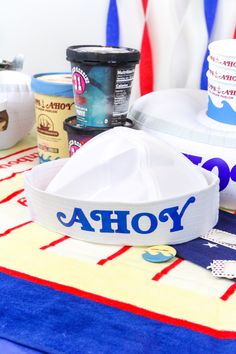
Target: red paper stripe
(146,63)
(230,291)
(145,3)
(166,270)
(18,152)
(11,196)
(54,243)
(235,33)
(122,305)
(114,255)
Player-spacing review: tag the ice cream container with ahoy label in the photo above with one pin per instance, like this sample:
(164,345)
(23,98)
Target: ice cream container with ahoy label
(124,187)
(54,102)
(78,136)
(102,81)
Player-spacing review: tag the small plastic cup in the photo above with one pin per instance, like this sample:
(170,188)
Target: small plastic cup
(78,136)
(102,81)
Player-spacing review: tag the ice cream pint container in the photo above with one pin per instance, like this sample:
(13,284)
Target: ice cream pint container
(54,102)
(78,136)
(102,81)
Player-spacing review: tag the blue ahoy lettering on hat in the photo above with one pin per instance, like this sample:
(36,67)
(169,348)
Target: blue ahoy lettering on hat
(225,173)
(123,222)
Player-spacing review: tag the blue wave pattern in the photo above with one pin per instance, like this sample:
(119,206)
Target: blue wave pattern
(225,114)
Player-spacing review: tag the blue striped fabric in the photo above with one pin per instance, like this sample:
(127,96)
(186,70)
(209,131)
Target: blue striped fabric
(210,8)
(112,28)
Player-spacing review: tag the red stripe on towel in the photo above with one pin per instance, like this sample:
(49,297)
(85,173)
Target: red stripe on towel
(11,196)
(230,291)
(166,270)
(7,232)
(114,255)
(54,243)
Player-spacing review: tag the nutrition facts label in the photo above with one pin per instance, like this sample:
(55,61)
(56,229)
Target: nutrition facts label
(123,86)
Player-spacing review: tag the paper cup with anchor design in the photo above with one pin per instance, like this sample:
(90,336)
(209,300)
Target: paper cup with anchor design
(140,191)
(222,81)
(54,103)
(223,53)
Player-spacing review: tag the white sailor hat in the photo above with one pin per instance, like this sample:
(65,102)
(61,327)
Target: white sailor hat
(124,187)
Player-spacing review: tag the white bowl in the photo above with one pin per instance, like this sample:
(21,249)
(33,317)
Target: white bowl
(179,117)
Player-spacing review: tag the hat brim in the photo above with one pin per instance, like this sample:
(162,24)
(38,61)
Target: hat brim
(169,221)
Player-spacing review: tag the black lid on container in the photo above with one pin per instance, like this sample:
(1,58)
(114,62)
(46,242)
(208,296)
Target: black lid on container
(102,54)
(70,124)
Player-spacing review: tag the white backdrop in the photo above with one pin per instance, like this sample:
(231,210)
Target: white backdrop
(42,30)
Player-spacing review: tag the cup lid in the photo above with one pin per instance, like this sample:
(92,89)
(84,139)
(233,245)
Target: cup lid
(223,47)
(102,54)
